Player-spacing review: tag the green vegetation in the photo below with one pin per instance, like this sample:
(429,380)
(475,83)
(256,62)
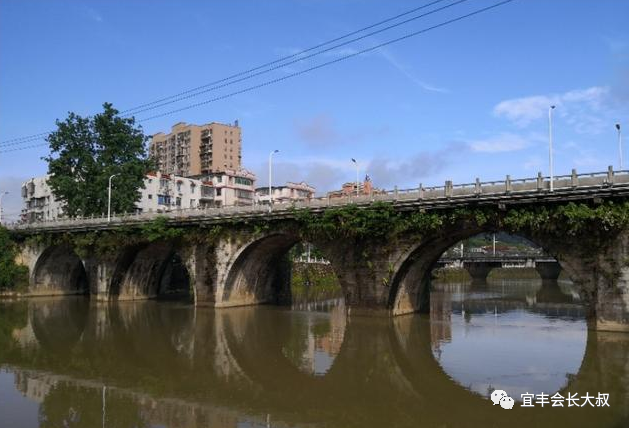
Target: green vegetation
(314,282)
(381,220)
(86,151)
(450,275)
(12,276)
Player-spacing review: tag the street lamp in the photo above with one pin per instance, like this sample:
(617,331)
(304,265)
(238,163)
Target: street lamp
(357,176)
(109,197)
(550,147)
(619,145)
(270,177)
(1,196)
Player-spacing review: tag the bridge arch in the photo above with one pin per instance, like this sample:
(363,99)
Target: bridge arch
(58,271)
(257,270)
(154,270)
(411,278)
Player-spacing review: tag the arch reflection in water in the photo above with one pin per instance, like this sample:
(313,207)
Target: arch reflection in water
(515,335)
(322,326)
(176,366)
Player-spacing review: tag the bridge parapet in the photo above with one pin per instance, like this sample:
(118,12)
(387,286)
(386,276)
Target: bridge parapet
(509,191)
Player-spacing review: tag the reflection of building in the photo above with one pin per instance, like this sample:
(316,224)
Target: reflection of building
(287,193)
(350,189)
(440,319)
(323,347)
(192,150)
(33,386)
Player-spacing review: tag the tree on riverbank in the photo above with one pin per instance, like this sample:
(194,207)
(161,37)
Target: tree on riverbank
(86,151)
(12,276)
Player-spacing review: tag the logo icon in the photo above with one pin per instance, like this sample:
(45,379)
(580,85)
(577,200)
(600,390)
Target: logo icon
(501,397)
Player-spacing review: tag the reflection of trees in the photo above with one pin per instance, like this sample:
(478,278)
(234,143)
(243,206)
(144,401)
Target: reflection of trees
(14,317)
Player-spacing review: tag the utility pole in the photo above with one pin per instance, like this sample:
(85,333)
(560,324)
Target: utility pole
(109,197)
(550,146)
(619,145)
(270,178)
(357,176)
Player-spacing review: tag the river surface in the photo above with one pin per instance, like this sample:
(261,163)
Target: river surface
(68,362)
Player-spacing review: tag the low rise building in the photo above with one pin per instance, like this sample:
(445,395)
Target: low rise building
(228,188)
(39,204)
(351,189)
(161,193)
(287,193)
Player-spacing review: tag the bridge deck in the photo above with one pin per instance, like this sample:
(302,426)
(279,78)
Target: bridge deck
(573,187)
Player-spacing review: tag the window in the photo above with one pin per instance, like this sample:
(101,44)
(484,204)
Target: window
(242,180)
(150,196)
(178,202)
(164,200)
(218,192)
(244,194)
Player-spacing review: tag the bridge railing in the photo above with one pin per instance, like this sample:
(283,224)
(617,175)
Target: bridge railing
(448,192)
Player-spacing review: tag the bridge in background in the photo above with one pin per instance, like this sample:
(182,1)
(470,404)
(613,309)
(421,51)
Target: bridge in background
(479,266)
(246,263)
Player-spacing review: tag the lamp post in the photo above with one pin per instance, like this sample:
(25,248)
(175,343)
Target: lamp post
(550,147)
(109,197)
(357,176)
(619,145)
(1,196)
(270,177)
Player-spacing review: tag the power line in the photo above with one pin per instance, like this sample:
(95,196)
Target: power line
(280,63)
(342,58)
(284,58)
(285,64)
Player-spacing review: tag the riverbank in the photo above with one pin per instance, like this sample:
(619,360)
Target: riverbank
(461,275)
(314,282)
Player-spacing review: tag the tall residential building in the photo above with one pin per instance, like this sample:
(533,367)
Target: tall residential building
(197,150)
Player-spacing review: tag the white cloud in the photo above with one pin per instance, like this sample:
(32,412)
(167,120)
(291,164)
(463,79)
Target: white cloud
(505,142)
(585,110)
(408,74)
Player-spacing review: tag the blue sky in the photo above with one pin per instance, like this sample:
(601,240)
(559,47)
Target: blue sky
(462,101)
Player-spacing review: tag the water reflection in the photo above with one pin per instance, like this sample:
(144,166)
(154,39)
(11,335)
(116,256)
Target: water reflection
(531,337)
(170,365)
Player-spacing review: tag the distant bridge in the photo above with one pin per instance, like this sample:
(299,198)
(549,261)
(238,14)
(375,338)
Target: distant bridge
(479,266)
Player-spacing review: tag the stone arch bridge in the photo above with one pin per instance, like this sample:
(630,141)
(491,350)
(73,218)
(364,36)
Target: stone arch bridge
(382,247)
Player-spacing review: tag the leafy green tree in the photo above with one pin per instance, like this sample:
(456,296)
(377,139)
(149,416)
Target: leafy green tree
(12,276)
(86,151)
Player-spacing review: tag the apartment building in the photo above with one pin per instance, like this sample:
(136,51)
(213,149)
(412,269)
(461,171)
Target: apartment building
(39,204)
(161,193)
(195,150)
(287,193)
(229,188)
